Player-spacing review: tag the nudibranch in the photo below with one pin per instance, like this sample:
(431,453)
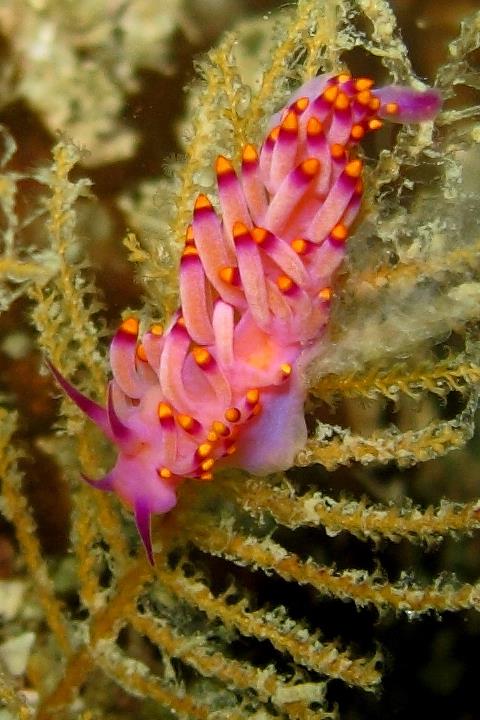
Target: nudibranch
(224,382)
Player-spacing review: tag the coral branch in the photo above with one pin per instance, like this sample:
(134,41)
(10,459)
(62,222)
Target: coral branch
(439,378)
(134,677)
(236,675)
(10,699)
(286,635)
(104,626)
(356,585)
(437,438)
(360,518)
(19,513)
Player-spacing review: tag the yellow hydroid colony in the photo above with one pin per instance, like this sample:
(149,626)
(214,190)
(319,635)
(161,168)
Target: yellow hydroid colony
(249,569)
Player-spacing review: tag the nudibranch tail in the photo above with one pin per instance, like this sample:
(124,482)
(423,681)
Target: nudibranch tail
(224,383)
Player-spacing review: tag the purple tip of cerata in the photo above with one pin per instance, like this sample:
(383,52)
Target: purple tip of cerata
(226,180)
(189,258)
(286,137)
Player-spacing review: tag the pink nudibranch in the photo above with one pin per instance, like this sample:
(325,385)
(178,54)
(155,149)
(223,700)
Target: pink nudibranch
(224,383)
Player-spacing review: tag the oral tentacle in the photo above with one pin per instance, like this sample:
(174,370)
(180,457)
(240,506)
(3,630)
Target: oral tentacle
(105,483)
(91,409)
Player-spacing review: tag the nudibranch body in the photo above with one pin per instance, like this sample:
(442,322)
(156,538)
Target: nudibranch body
(224,382)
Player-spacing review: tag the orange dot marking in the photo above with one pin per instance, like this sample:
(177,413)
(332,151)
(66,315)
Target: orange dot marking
(202,202)
(186,421)
(364,97)
(201,356)
(391,108)
(207,464)
(227,274)
(286,369)
(253,396)
(259,235)
(249,154)
(157,330)
(354,168)
(284,283)
(339,232)
(204,449)
(290,122)
(301,104)
(189,234)
(164,411)
(190,250)
(310,167)
(342,101)
(337,151)
(140,353)
(220,428)
(330,94)
(274,133)
(363,83)
(239,228)
(357,132)
(299,246)
(325,294)
(223,165)
(165,473)
(375,124)
(232,414)
(314,127)
(130,326)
